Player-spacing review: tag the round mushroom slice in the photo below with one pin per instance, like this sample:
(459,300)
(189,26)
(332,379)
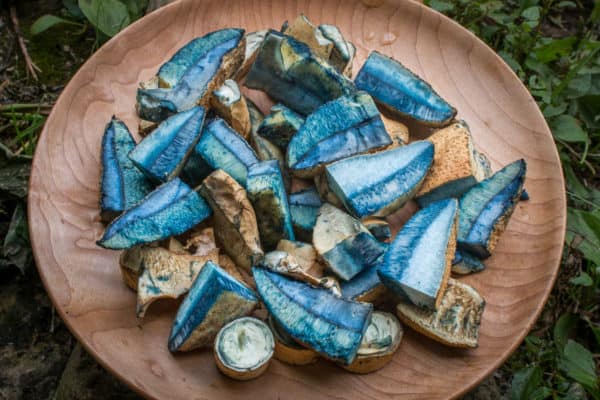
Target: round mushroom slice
(244,348)
(380,342)
(287,350)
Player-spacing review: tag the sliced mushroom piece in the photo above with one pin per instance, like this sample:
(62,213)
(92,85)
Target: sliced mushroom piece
(343,51)
(304,31)
(163,153)
(287,350)
(215,299)
(365,286)
(314,317)
(344,127)
(325,191)
(175,246)
(344,244)
(454,323)
(253,42)
(380,342)
(195,169)
(304,208)
(244,348)
(397,130)
(232,269)
(280,125)
(286,264)
(122,185)
(170,210)
(304,253)
(131,267)
(146,127)
(266,192)
(378,227)
(235,225)
(402,92)
(465,263)
(393,177)
(456,167)
(487,207)
(417,265)
(192,74)
(289,72)
(230,105)
(167,274)
(222,148)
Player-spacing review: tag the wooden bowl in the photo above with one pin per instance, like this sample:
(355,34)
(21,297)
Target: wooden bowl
(84,281)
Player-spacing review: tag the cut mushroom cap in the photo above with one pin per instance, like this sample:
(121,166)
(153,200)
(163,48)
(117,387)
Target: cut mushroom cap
(244,348)
(287,350)
(380,342)
(229,103)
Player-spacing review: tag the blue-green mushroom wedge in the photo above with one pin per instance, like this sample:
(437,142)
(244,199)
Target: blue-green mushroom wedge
(289,72)
(417,264)
(344,244)
(223,148)
(378,227)
(315,317)
(122,185)
(487,207)
(192,74)
(304,208)
(344,127)
(465,263)
(163,154)
(280,125)
(266,192)
(214,299)
(454,323)
(229,103)
(402,92)
(393,178)
(366,285)
(169,210)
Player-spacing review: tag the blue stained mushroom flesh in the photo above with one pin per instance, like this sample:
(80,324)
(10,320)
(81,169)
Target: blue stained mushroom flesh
(122,185)
(304,209)
(466,263)
(393,178)
(417,264)
(280,125)
(163,153)
(289,72)
(267,194)
(214,299)
(354,254)
(330,325)
(344,127)
(171,209)
(193,74)
(401,91)
(365,285)
(223,148)
(486,208)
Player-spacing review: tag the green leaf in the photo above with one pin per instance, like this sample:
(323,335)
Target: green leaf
(441,6)
(108,16)
(563,327)
(16,248)
(531,13)
(579,86)
(46,22)
(589,109)
(567,128)
(582,279)
(73,8)
(595,15)
(583,233)
(555,48)
(577,362)
(552,111)
(525,382)
(136,8)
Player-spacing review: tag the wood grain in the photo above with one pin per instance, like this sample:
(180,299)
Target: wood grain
(84,281)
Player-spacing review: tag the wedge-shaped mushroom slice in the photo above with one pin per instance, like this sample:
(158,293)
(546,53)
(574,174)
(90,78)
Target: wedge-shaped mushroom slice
(131,267)
(214,299)
(304,208)
(122,185)
(344,244)
(287,350)
(280,125)
(397,130)
(190,77)
(417,264)
(466,263)
(325,191)
(304,253)
(163,153)
(343,51)
(266,192)
(314,317)
(304,31)
(289,72)
(365,286)
(222,148)
(229,103)
(454,323)
(235,225)
(380,342)
(402,92)
(343,127)
(244,348)
(169,210)
(379,184)
(378,228)
(195,170)
(486,208)
(286,264)
(253,42)
(456,165)
(167,274)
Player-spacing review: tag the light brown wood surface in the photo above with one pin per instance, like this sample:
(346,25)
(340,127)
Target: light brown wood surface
(84,280)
